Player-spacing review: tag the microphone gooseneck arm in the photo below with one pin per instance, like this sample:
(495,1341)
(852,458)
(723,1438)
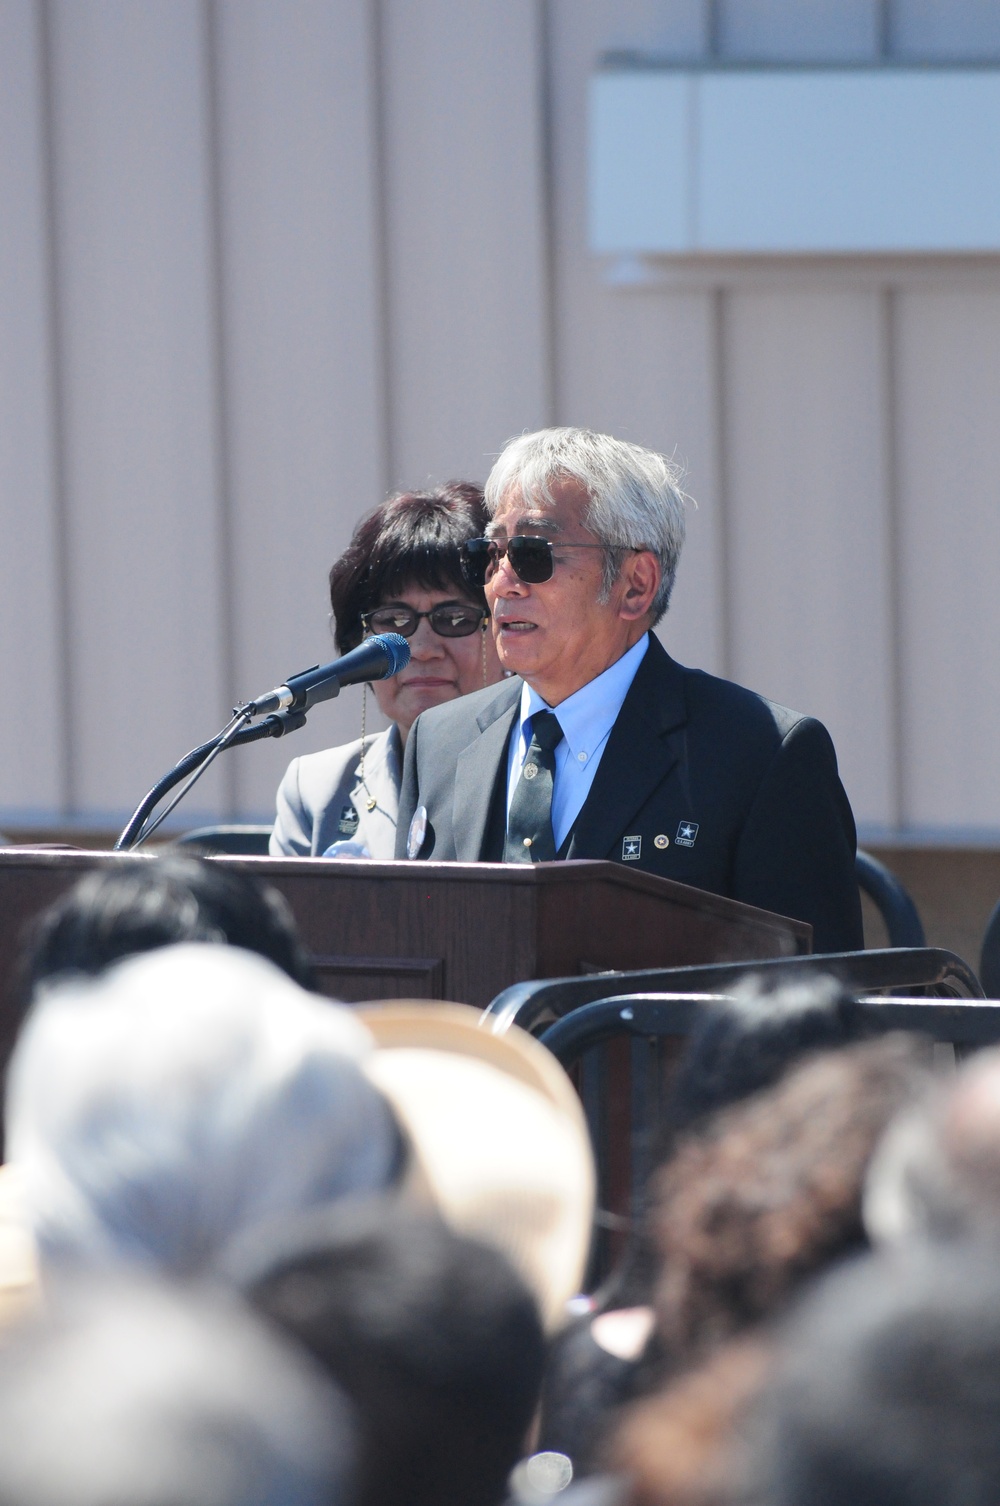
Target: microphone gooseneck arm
(272,726)
(284,710)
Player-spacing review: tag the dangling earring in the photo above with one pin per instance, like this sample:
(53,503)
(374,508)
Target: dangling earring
(485,630)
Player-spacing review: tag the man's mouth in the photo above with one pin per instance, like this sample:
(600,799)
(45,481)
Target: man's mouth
(513,625)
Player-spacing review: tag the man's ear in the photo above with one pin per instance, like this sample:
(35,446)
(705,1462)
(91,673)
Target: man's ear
(640,581)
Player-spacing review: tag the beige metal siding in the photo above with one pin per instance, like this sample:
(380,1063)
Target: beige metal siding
(261,262)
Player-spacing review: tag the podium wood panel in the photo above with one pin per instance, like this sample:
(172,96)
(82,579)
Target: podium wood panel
(445,930)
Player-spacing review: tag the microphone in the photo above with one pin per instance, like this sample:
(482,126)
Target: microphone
(377,658)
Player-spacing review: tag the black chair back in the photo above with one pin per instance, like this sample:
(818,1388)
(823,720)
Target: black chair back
(892,900)
(989,966)
(233,841)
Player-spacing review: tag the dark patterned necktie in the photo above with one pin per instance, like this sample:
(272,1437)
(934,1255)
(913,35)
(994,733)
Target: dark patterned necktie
(529,825)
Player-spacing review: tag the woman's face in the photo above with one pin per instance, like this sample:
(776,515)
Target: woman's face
(440,669)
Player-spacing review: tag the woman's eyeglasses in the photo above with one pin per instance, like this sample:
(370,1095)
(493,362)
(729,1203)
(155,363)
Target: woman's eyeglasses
(531,558)
(450,619)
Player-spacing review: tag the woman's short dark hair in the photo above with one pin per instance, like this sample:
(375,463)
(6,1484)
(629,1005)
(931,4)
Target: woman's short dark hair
(412,539)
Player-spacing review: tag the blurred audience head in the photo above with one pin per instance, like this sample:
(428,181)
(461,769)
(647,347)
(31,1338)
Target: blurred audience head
(498,1139)
(770,1191)
(936,1173)
(739,1045)
(746,1042)
(144,902)
(888,1392)
(433,1337)
(134,1392)
(157,1110)
(684,1446)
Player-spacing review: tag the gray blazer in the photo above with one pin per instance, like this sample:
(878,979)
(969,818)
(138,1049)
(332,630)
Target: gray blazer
(321,799)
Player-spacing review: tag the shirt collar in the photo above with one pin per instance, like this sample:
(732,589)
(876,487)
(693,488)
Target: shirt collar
(587,716)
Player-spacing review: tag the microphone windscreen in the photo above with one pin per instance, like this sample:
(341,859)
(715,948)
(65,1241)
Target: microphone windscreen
(398,651)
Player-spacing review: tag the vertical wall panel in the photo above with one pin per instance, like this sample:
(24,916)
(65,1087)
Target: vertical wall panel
(31,751)
(637,363)
(666,28)
(808,546)
(140,442)
(468,318)
(947,29)
(948,365)
(303,338)
(818,30)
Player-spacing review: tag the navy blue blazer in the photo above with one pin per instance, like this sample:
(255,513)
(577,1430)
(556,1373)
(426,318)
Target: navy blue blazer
(701,781)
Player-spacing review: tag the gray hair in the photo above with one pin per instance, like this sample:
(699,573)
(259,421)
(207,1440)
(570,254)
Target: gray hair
(936,1174)
(184,1095)
(635,497)
(127,1391)
(910,1190)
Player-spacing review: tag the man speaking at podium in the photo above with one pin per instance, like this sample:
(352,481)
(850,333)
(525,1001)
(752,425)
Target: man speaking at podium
(603,747)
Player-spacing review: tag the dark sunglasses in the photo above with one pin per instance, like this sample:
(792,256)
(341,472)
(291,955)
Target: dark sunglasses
(531,558)
(450,619)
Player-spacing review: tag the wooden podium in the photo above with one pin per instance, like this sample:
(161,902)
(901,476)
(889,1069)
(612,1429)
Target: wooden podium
(456,931)
(460,931)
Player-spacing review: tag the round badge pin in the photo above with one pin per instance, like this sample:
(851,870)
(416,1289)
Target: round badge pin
(417,832)
(661,841)
(530,770)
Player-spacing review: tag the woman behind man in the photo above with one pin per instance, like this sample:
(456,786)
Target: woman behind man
(400,573)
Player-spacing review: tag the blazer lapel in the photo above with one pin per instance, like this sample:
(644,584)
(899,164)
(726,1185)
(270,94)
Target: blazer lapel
(377,827)
(478,768)
(644,746)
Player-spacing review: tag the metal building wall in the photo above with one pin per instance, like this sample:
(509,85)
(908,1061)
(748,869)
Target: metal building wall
(263,260)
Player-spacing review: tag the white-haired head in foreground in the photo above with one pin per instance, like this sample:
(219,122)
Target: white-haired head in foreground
(936,1174)
(636,500)
(162,1108)
(132,1392)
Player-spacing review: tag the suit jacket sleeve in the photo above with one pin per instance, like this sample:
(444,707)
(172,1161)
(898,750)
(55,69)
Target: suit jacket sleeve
(291,835)
(795,852)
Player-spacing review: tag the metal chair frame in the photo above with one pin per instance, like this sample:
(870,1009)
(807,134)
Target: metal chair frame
(648,1021)
(965,1023)
(535,1005)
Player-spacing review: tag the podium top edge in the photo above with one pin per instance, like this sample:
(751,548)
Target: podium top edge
(534,876)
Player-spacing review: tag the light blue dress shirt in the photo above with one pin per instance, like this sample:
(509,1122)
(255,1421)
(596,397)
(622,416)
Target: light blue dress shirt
(586,718)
